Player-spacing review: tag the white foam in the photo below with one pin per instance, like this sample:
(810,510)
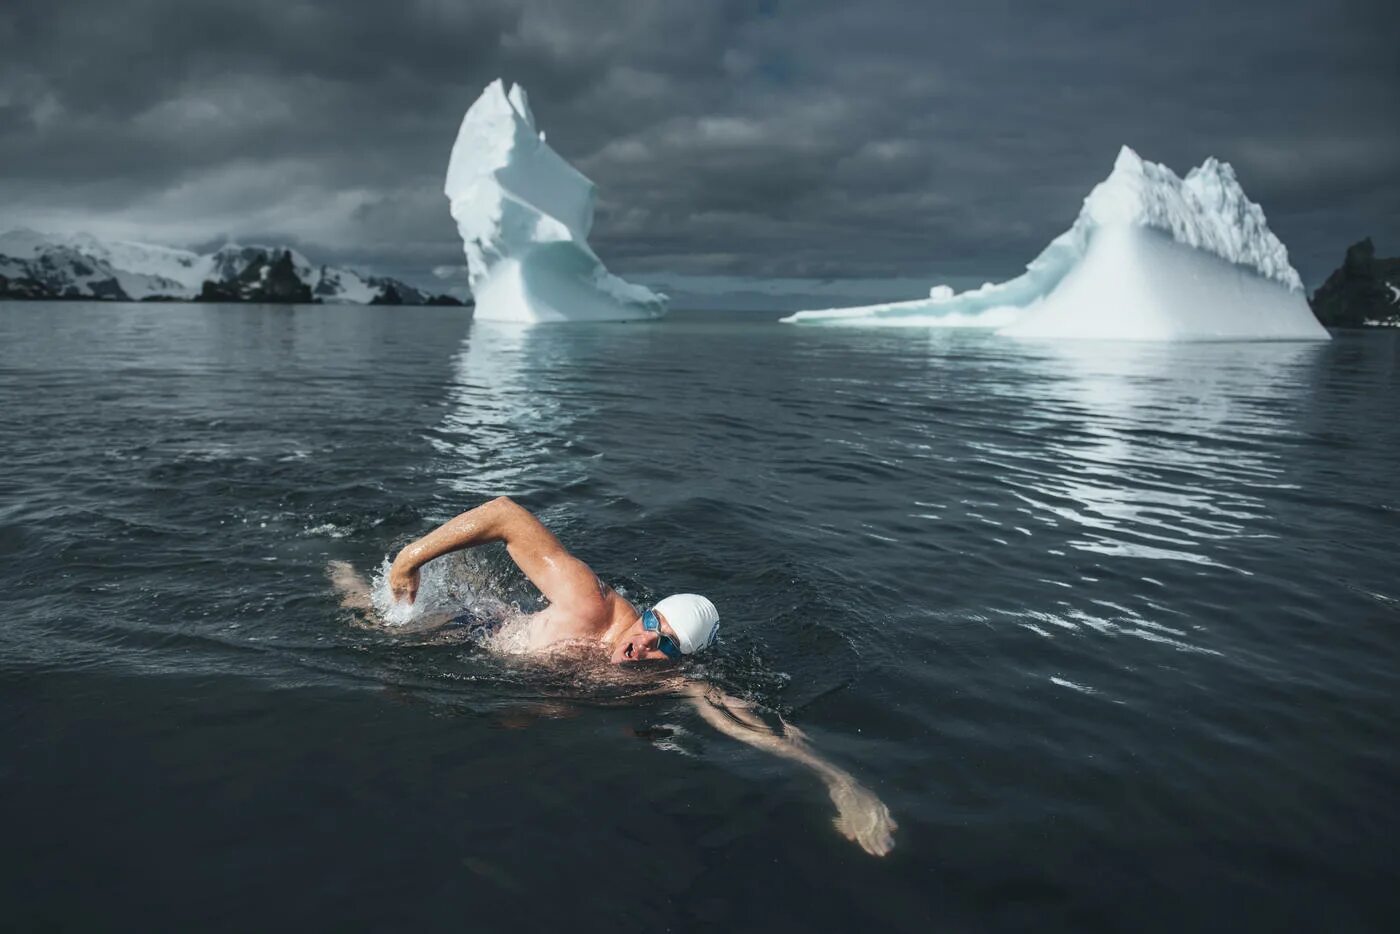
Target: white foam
(437,593)
(1062,682)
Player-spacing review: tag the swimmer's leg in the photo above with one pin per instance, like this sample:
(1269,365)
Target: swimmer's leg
(354,596)
(354,592)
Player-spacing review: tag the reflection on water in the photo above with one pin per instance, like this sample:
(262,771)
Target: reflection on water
(1146,453)
(503,423)
(1156,460)
(1053,600)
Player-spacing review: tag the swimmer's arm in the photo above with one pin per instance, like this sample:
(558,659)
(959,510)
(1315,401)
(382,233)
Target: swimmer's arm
(564,580)
(860,816)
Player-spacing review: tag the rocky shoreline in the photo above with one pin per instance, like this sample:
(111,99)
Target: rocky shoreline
(1363,293)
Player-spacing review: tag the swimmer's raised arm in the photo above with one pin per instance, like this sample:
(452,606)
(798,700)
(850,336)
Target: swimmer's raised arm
(565,581)
(860,816)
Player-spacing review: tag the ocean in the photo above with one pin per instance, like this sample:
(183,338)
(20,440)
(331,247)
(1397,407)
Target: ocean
(1112,629)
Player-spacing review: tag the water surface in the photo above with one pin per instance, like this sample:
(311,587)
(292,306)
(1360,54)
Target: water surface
(1111,628)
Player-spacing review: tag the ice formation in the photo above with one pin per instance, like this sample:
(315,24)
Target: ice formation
(524,216)
(1150,257)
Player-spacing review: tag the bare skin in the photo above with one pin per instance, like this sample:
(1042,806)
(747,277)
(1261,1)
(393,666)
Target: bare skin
(861,817)
(583,610)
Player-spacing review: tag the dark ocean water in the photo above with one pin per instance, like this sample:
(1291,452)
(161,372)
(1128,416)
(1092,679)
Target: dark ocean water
(1113,630)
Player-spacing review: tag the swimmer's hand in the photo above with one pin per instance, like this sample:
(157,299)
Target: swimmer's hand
(403,578)
(861,817)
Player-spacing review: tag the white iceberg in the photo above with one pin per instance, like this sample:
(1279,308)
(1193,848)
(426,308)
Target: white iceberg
(524,216)
(1150,257)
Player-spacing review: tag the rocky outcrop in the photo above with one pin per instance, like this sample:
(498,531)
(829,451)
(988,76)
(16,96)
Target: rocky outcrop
(281,283)
(24,288)
(390,296)
(274,282)
(1364,292)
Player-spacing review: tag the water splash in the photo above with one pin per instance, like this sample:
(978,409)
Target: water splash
(461,584)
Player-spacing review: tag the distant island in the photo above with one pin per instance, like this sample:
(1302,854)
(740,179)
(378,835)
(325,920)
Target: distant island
(36,266)
(1364,292)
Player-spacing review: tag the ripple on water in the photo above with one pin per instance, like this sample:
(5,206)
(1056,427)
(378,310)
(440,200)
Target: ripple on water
(1008,563)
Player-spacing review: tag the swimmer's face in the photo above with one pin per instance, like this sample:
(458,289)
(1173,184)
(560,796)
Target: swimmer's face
(636,644)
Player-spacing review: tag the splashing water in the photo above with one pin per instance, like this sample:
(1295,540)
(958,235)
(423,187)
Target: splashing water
(462,584)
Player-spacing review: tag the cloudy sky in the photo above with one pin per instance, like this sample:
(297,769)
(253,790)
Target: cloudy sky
(732,143)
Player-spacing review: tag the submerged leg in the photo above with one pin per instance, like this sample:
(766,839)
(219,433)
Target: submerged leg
(354,596)
(354,592)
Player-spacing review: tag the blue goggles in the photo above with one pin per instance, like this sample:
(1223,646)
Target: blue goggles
(652,623)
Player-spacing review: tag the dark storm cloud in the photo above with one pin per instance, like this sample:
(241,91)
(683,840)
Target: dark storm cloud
(878,139)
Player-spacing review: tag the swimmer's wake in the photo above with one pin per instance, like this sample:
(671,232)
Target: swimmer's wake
(586,619)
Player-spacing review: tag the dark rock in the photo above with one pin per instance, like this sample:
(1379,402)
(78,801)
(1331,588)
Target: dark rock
(260,281)
(1365,291)
(328,285)
(445,300)
(24,287)
(213,291)
(60,271)
(108,289)
(388,296)
(282,284)
(252,273)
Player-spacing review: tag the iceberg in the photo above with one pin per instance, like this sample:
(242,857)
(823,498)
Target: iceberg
(1151,257)
(524,215)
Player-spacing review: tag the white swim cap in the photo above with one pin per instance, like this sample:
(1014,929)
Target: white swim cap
(693,619)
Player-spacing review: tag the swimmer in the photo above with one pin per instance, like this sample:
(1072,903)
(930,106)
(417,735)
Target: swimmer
(585,614)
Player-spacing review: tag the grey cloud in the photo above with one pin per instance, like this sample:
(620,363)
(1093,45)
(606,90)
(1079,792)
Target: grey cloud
(884,139)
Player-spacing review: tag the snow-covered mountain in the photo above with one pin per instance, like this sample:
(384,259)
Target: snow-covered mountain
(37,265)
(1151,256)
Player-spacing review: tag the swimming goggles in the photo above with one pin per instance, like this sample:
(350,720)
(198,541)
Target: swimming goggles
(652,623)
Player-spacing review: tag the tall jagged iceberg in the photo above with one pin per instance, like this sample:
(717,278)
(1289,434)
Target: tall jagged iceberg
(1150,257)
(524,216)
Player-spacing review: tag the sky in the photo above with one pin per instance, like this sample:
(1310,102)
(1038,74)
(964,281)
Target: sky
(776,150)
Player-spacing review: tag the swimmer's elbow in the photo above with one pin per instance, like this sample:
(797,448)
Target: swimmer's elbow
(508,511)
(513,522)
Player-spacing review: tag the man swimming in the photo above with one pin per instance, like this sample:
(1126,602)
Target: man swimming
(581,607)
(586,614)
